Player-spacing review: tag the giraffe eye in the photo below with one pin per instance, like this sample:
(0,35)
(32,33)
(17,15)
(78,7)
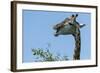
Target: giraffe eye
(70,24)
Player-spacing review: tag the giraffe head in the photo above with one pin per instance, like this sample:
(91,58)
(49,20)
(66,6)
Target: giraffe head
(68,26)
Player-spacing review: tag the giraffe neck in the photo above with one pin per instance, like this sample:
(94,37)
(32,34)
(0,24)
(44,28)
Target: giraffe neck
(77,49)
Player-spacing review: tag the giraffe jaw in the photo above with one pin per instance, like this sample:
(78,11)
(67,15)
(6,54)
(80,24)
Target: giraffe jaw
(67,30)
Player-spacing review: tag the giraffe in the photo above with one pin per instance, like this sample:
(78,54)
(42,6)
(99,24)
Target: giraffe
(69,26)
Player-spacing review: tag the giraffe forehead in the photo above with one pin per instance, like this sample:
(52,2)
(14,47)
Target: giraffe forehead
(69,19)
(67,22)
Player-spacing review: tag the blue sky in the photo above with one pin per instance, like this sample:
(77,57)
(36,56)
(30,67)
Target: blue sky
(38,33)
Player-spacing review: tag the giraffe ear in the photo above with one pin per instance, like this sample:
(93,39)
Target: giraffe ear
(82,25)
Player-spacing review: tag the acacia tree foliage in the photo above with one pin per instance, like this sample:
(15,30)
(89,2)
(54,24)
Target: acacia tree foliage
(46,55)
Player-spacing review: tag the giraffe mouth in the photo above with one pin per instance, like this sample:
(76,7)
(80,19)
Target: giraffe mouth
(56,33)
